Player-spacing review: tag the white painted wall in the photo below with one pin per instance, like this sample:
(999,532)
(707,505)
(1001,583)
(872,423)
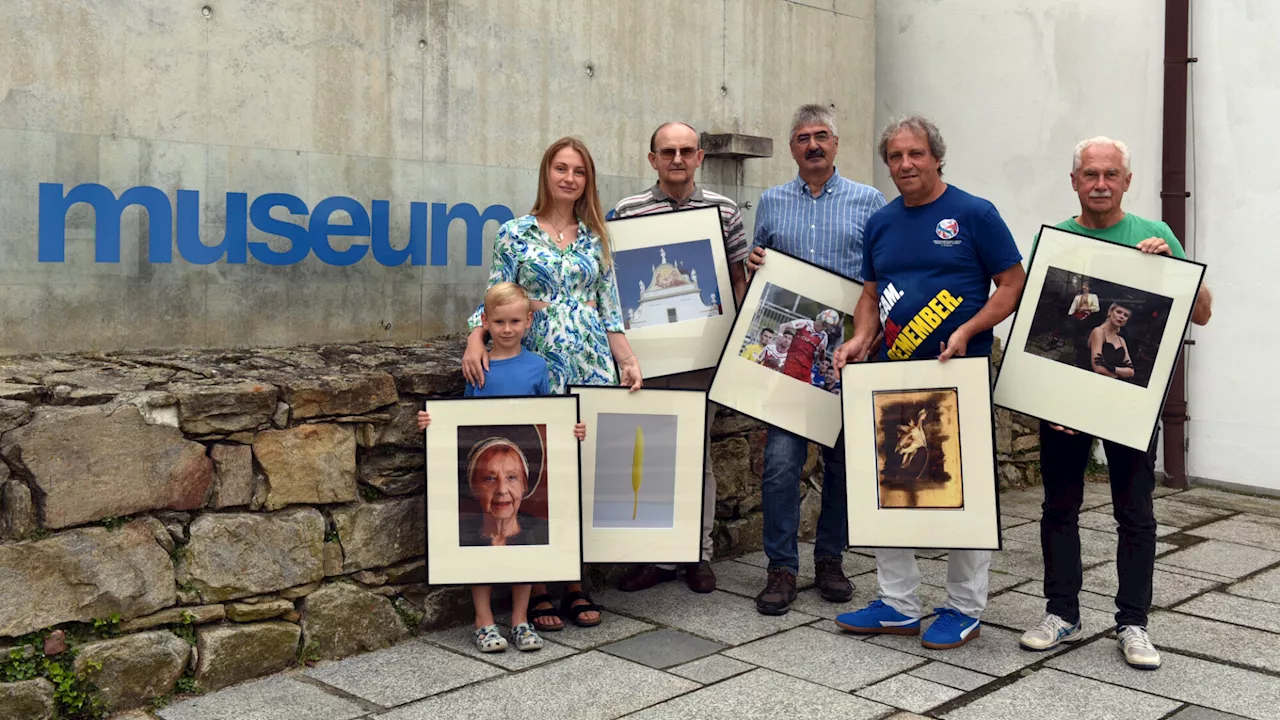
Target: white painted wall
(1232,380)
(1014,84)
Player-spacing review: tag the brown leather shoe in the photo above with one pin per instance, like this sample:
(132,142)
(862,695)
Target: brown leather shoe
(778,594)
(701,578)
(830,579)
(643,577)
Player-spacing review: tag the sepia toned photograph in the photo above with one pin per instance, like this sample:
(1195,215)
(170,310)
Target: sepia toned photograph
(635,471)
(502,485)
(796,336)
(918,449)
(1098,326)
(667,284)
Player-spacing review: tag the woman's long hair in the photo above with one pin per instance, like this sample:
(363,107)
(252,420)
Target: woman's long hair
(587,208)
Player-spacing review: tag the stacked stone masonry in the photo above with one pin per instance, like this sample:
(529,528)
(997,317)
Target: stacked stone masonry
(194,519)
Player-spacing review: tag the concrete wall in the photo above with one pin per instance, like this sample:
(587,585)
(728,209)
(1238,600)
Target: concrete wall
(432,101)
(1036,77)
(1234,184)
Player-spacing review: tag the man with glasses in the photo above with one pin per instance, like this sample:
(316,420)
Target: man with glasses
(817,217)
(675,151)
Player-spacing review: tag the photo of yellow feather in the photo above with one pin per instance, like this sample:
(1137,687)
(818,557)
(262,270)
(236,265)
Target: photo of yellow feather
(637,470)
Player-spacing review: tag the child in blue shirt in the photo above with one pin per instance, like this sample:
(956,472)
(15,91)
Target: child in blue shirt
(513,371)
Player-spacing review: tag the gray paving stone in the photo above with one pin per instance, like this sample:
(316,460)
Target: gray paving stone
(1209,638)
(1217,579)
(833,660)
(854,563)
(952,676)
(1012,521)
(763,695)
(614,628)
(275,698)
(1192,712)
(1236,502)
(1167,588)
(1234,609)
(1242,531)
(712,668)
(1263,586)
(1022,503)
(1172,511)
(910,693)
(397,675)
(1019,612)
(748,580)
(1105,603)
(1220,687)
(995,652)
(1106,522)
(460,639)
(719,616)
(1019,560)
(1222,558)
(589,686)
(1052,695)
(662,648)
(1097,544)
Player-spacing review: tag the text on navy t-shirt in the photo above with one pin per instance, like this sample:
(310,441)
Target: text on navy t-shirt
(524,374)
(932,265)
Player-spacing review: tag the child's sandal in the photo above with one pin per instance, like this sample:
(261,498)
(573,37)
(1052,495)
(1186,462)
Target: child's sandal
(574,612)
(526,638)
(489,639)
(536,614)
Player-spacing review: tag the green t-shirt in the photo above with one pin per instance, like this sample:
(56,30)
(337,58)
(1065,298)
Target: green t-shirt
(1129,231)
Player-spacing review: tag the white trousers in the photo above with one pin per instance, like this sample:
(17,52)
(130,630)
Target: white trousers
(967,581)
(708,496)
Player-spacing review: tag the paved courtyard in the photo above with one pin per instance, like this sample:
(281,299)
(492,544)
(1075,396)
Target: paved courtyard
(667,653)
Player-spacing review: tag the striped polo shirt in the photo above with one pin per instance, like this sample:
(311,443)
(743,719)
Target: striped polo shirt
(654,200)
(825,230)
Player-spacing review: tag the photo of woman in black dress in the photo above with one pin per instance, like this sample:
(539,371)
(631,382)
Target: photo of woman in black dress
(1108,351)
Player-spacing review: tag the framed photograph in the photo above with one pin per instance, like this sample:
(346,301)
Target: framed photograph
(1096,336)
(642,471)
(673,282)
(502,491)
(776,364)
(920,454)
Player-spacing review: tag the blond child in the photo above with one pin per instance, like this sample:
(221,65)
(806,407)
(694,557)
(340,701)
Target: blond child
(513,371)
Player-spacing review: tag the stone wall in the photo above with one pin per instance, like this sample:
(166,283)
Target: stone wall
(182,521)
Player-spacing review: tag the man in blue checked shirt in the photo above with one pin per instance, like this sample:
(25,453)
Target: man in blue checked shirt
(817,217)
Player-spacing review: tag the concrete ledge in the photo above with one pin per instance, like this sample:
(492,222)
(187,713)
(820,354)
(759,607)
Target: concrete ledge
(736,146)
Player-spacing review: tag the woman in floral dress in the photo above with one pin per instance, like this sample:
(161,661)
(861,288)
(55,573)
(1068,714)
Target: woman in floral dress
(559,253)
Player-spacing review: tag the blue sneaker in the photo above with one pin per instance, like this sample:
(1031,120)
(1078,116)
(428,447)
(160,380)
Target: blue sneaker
(951,629)
(879,618)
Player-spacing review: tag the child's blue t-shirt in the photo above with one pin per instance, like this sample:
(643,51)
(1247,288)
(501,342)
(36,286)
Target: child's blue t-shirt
(524,374)
(932,266)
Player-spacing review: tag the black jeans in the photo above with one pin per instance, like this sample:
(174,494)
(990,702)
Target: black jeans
(1063,459)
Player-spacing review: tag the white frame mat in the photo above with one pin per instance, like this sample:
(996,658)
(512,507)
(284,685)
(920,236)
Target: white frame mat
(975,525)
(682,543)
(768,395)
(560,560)
(1062,394)
(690,344)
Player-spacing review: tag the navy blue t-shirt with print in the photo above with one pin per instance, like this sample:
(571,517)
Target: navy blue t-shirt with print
(932,265)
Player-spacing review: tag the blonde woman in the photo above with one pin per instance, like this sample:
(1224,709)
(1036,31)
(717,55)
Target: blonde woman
(559,253)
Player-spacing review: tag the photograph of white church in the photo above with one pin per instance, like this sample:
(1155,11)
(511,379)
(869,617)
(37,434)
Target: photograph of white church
(667,284)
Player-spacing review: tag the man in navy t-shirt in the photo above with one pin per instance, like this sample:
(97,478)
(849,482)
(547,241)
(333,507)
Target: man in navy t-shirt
(929,259)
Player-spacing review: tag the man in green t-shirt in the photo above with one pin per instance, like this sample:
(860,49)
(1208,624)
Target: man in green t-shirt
(1100,176)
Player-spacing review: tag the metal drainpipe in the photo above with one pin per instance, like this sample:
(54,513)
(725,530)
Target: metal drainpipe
(1173,201)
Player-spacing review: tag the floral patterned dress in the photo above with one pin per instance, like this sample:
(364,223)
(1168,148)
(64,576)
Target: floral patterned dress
(569,333)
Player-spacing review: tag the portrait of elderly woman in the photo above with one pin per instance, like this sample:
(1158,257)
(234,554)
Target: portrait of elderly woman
(502,485)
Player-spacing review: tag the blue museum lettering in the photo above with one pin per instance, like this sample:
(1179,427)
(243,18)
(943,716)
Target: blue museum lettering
(281,215)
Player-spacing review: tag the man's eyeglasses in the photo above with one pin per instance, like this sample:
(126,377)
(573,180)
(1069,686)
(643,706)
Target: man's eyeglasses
(670,153)
(820,138)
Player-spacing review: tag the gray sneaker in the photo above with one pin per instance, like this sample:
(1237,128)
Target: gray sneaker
(1137,647)
(1051,632)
